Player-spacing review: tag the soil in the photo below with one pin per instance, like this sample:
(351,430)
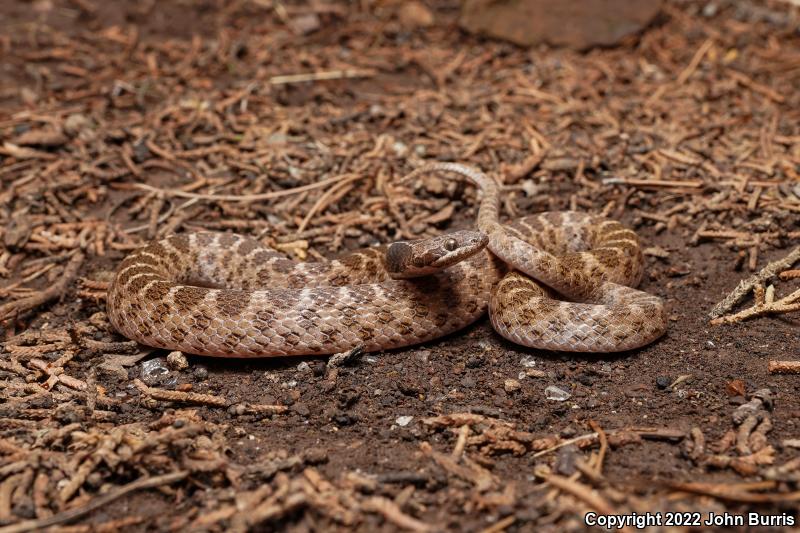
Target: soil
(706,97)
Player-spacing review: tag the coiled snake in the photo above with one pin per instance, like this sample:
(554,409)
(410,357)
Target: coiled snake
(226,295)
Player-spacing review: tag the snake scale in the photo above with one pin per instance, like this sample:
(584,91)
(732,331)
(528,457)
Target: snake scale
(226,295)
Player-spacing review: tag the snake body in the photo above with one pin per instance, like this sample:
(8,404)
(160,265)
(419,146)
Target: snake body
(593,261)
(226,295)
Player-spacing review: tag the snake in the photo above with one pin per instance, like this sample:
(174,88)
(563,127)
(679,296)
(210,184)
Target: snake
(555,281)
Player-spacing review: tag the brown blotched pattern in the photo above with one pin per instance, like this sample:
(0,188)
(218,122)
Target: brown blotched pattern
(225,295)
(592,261)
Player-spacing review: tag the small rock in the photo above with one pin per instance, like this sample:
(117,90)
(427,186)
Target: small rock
(237,409)
(579,24)
(400,149)
(475,361)
(177,361)
(28,96)
(556,394)
(735,388)
(409,388)
(301,409)
(18,231)
(318,368)
(468,382)
(305,24)
(662,382)
(315,456)
(141,152)
(415,15)
(403,421)
(344,419)
(710,9)
(154,371)
(303,367)
(200,372)
(512,385)
(75,123)
(48,137)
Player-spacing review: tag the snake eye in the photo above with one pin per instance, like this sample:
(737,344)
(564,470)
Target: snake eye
(450,244)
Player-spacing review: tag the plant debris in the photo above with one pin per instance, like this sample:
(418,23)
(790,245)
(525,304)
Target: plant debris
(291,122)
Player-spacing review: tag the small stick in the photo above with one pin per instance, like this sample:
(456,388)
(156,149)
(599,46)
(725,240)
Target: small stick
(241,197)
(461,443)
(501,525)
(582,492)
(178,396)
(588,436)
(784,367)
(392,513)
(322,76)
(693,184)
(734,494)
(765,275)
(72,514)
(695,62)
(598,467)
(324,200)
(784,305)
(54,291)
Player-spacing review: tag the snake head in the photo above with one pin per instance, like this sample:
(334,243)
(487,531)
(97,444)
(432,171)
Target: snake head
(411,259)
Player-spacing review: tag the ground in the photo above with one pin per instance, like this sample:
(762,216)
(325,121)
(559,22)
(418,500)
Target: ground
(687,132)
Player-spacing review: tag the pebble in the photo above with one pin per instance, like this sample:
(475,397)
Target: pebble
(301,409)
(200,372)
(237,409)
(141,152)
(512,385)
(475,361)
(177,361)
(75,123)
(403,421)
(315,456)
(662,382)
(303,367)
(528,361)
(343,419)
(154,371)
(318,369)
(554,393)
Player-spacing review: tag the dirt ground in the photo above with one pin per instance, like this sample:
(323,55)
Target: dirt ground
(688,133)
